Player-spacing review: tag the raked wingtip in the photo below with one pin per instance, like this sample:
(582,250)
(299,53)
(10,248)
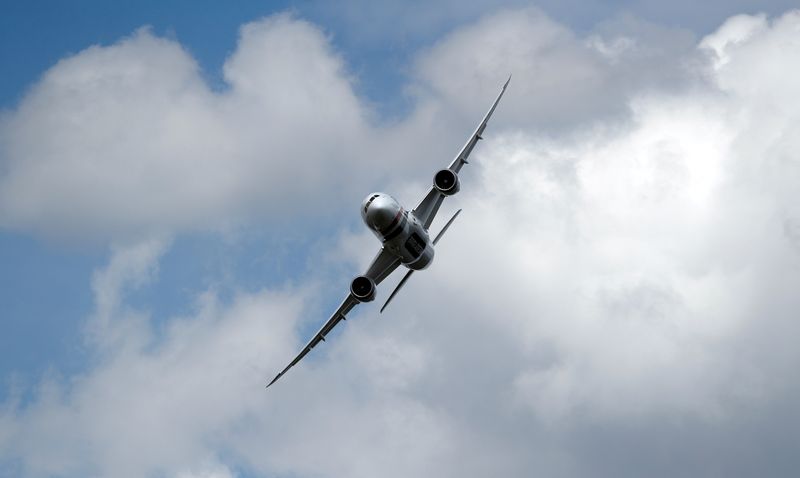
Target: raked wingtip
(274,380)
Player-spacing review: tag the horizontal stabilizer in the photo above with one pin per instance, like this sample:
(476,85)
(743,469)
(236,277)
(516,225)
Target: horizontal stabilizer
(397,289)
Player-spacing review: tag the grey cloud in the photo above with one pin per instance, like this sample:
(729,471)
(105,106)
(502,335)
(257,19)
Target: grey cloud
(561,80)
(617,301)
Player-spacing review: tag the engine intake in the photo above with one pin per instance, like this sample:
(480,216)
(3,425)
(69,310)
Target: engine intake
(363,289)
(446,181)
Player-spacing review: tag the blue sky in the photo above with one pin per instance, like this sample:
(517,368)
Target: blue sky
(178,212)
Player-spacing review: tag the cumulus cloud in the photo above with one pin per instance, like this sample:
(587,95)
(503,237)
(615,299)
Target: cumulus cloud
(561,79)
(640,266)
(619,300)
(563,82)
(128,139)
(155,403)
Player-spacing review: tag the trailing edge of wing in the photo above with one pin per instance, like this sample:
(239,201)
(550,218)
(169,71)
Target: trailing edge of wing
(427,208)
(382,265)
(348,303)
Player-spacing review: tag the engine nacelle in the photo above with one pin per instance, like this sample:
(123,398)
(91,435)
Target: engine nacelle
(363,289)
(446,182)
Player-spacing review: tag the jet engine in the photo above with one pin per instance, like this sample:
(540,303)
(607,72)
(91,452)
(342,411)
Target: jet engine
(446,181)
(363,289)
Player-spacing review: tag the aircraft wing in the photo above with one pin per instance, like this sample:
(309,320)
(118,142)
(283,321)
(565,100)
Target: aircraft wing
(380,268)
(427,208)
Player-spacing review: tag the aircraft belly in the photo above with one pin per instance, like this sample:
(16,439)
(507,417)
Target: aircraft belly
(423,260)
(412,245)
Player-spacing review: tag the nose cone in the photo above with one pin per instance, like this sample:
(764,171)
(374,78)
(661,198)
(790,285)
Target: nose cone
(380,211)
(381,214)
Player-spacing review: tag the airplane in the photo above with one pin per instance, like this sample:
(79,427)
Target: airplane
(404,236)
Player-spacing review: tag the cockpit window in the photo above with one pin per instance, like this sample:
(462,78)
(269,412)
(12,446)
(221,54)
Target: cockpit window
(369,201)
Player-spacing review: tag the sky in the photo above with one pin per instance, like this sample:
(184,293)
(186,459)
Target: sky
(179,194)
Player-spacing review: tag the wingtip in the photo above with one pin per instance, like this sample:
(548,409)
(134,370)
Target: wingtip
(507,81)
(274,380)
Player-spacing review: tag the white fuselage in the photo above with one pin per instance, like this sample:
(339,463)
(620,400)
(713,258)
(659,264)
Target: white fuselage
(399,230)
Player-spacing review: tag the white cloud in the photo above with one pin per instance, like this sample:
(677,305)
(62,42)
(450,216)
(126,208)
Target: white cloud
(560,79)
(154,403)
(211,471)
(620,300)
(128,139)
